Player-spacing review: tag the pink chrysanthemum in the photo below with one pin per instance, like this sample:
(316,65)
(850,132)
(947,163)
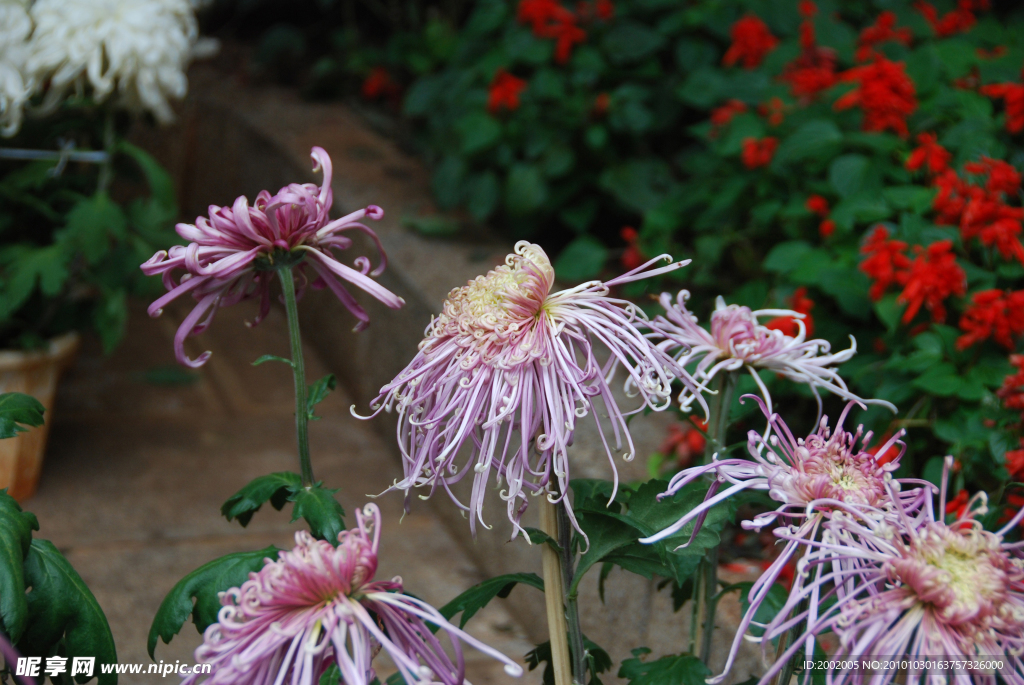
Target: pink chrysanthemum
(507,356)
(913,586)
(810,476)
(737,341)
(233,255)
(317,605)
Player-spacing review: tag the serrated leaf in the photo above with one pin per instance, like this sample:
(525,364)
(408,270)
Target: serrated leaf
(62,608)
(16,528)
(273,357)
(322,512)
(28,267)
(92,224)
(477,597)
(18,413)
(202,585)
(277,488)
(539,537)
(598,660)
(605,533)
(682,669)
(318,392)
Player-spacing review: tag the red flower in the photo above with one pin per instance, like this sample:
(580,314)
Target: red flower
(995,53)
(994,223)
(886,261)
(801,304)
(817,204)
(1013,97)
(684,442)
(1015,463)
(1002,177)
(958,505)
(378,84)
(550,20)
(929,154)
(880,32)
(773,110)
(957,21)
(888,455)
(721,116)
(1012,392)
(815,69)
(933,276)
(541,14)
(992,314)
(758,153)
(950,201)
(505,90)
(826,228)
(601,104)
(604,9)
(885,93)
(751,41)
(806,8)
(632,257)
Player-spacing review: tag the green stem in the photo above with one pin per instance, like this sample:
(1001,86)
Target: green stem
(572,608)
(109,139)
(299,372)
(705,590)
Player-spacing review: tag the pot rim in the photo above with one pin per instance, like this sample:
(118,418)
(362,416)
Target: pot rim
(59,350)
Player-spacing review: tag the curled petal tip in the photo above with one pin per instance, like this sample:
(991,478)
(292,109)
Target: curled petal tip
(374,212)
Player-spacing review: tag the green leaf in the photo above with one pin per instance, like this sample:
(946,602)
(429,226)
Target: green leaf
(18,413)
(477,597)
(539,537)
(92,225)
(598,660)
(332,676)
(28,266)
(318,392)
(447,181)
(818,138)
(942,380)
(787,256)
(703,87)
(477,132)
(483,193)
(581,260)
(273,358)
(606,534)
(888,311)
(278,488)
(848,174)
(433,225)
(639,184)
(61,607)
(110,318)
(769,608)
(202,585)
(525,190)
(16,528)
(322,512)
(913,198)
(630,41)
(682,669)
(160,182)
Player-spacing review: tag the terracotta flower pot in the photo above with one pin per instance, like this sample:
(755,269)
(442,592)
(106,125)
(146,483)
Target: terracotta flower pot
(36,374)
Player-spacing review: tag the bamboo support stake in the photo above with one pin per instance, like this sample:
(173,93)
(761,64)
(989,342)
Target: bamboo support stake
(553,594)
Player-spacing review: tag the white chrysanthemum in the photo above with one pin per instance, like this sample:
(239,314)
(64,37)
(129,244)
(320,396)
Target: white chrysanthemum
(15,88)
(140,48)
